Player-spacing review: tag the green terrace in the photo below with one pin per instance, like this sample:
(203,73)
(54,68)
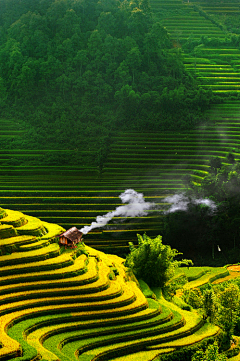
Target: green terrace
(222,10)
(214,67)
(217,77)
(10,129)
(237,64)
(173,4)
(23,156)
(219,53)
(224,7)
(151,163)
(187,22)
(87,309)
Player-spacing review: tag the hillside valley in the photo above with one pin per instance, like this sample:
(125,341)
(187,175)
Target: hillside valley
(96,98)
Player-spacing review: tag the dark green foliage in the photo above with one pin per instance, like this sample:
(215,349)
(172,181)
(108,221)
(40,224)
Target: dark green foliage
(152,261)
(3,213)
(113,273)
(231,158)
(112,276)
(232,352)
(186,353)
(6,250)
(211,229)
(193,297)
(210,354)
(80,250)
(192,231)
(228,311)
(210,306)
(76,71)
(173,285)
(223,186)
(237,327)
(220,305)
(215,164)
(224,183)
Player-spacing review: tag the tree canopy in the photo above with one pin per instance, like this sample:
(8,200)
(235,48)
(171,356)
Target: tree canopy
(153,261)
(89,68)
(210,354)
(202,233)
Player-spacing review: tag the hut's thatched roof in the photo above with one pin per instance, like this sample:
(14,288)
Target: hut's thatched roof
(73,234)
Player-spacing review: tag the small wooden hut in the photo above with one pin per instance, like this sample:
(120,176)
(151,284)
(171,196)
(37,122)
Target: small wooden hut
(70,238)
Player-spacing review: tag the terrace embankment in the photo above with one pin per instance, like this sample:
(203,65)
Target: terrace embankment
(59,303)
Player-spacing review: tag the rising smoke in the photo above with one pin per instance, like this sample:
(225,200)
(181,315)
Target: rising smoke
(136,207)
(180,202)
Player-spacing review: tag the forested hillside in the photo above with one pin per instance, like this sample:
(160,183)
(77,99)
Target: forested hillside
(76,70)
(97,98)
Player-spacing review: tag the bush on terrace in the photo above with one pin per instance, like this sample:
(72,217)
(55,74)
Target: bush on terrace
(153,261)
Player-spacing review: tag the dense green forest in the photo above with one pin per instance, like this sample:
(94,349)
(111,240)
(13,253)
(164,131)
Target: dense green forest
(215,231)
(74,71)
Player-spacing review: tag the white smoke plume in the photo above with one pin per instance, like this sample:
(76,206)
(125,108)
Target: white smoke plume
(136,207)
(180,202)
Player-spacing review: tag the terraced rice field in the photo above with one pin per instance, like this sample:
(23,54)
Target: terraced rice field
(182,20)
(220,77)
(152,163)
(225,7)
(214,67)
(10,129)
(64,305)
(85,311)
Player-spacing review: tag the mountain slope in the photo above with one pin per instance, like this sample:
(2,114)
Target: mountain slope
(58,303)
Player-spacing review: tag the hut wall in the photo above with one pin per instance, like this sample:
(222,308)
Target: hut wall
(63,240)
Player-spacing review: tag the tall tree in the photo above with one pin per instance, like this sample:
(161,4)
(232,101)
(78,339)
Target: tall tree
(153,261)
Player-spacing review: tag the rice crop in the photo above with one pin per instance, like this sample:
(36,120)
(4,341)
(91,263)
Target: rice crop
(151,163)
(66,304)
